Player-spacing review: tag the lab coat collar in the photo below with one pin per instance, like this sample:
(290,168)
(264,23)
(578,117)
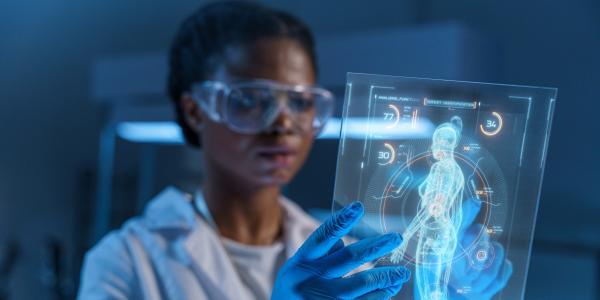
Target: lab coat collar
(193,242)
(171,209)
(198,244)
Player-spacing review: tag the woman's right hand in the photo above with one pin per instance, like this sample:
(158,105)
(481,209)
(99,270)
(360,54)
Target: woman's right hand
(317,269)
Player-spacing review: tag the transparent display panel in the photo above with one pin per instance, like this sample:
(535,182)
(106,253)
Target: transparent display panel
(456,168)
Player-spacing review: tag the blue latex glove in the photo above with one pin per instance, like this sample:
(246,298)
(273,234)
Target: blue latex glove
(483,284)
(316,270)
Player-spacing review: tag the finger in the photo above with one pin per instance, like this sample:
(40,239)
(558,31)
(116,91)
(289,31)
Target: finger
(333,229)
(473,235)
(337,246)
(386,293)
(351,257)
(470,210)
(462,270)
(489,275)
(369,281)
(501,281)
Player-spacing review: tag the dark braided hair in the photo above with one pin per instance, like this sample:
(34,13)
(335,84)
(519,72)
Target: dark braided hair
(199,45)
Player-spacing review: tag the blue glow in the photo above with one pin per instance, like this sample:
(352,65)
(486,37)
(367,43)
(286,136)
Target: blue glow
(150,132)
(170,133)
(331,129)
(166,132)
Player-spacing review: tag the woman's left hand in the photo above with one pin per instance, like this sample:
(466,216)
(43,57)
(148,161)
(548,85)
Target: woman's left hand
(481,280)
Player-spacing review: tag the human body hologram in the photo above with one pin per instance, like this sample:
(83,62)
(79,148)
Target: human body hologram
(438,217)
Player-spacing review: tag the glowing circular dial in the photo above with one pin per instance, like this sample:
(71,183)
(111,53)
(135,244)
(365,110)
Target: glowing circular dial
(394,116)
(386,157)
(491,125)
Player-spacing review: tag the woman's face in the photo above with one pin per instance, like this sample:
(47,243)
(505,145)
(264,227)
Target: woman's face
(272,157)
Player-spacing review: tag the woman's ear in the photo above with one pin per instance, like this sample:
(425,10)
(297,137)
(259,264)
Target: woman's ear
(191,112)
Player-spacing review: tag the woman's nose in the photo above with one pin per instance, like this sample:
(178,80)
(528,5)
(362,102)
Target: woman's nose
(283,122)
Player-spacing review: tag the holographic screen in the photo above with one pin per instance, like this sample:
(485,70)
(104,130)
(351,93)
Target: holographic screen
(456,168)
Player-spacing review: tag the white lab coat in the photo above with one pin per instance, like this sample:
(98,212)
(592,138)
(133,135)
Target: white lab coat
(172,253)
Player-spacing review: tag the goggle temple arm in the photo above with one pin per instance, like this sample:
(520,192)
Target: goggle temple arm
(207,95)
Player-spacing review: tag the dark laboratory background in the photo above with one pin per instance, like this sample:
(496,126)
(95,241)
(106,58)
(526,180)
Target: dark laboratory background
(87,138)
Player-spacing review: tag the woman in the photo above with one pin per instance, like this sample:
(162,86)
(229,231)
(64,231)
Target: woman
(242,79)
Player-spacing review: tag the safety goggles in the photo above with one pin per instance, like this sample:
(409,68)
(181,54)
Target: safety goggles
(253,106)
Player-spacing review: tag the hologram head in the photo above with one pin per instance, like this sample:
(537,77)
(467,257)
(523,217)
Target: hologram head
(445,138)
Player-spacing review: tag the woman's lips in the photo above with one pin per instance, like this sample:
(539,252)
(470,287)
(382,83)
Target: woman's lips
(278,156)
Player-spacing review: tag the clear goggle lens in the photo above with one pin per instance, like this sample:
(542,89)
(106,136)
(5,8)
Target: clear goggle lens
(252,107)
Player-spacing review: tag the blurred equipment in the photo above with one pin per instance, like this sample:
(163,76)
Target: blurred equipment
(9,254)
(53,274)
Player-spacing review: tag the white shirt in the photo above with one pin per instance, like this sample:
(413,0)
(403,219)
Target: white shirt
(257,266)
(172,253)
